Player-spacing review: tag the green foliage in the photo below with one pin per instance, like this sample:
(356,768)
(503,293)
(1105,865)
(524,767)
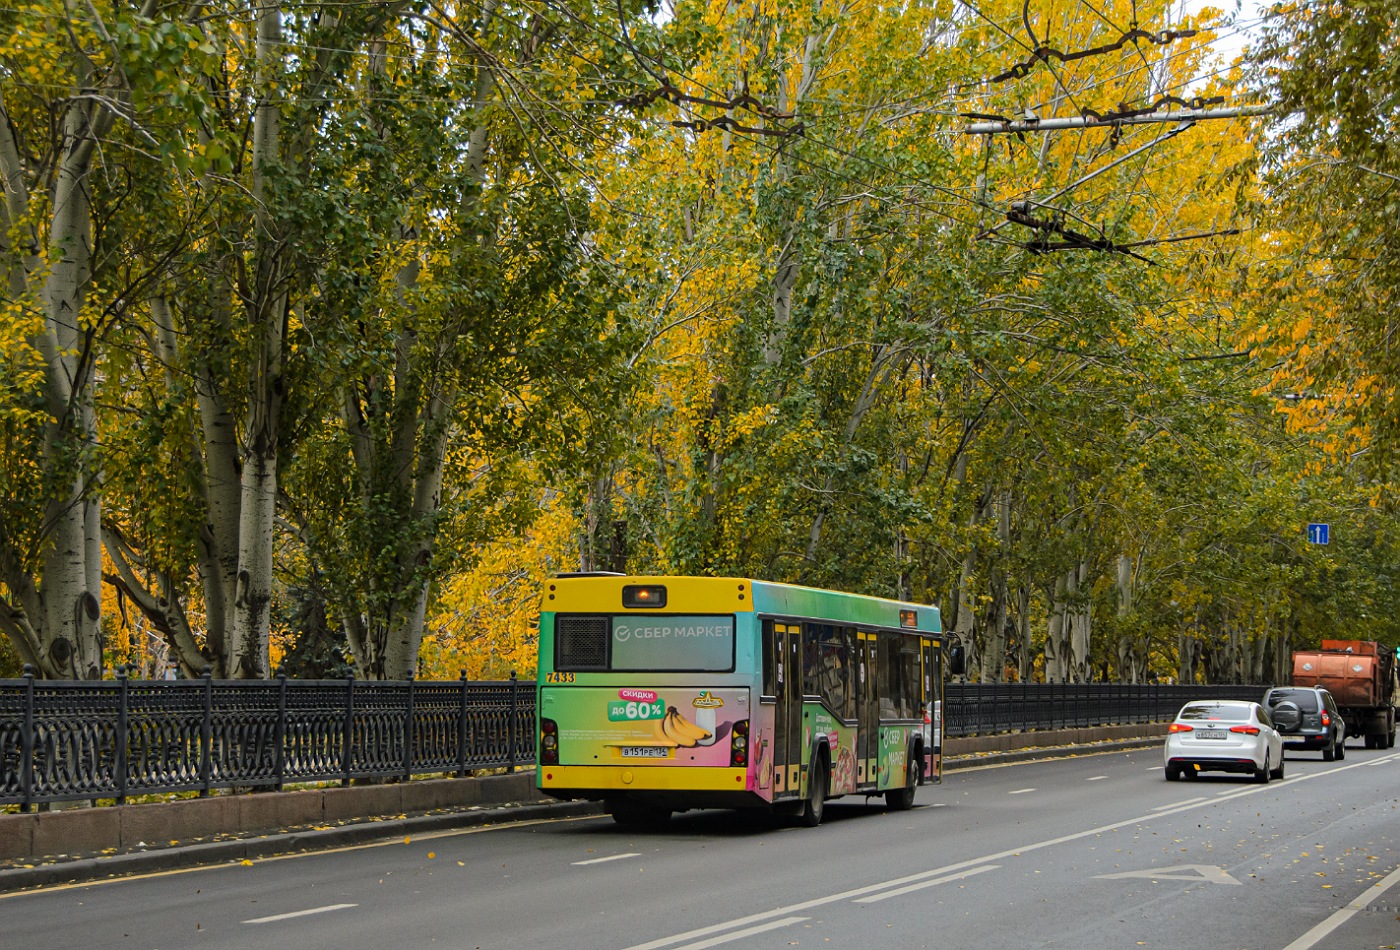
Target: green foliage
(725,294)
(315,649)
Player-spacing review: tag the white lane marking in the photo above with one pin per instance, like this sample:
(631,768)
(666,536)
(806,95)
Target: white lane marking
(1188,801)
(1021,791)
(741,934)
(923,884)
(971,862)
(1100,778)
(1182,872)
(1314,936)
(300,913)
(611,857)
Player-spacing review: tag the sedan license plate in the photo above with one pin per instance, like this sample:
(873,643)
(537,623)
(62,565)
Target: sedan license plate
(644,752)
(1211,733)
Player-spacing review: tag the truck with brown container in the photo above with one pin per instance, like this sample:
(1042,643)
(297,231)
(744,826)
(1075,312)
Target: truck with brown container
(1361,676)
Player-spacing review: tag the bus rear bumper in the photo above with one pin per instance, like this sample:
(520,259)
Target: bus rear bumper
(678,787)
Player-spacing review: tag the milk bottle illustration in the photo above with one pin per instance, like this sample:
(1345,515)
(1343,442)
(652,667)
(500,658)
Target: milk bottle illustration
(705,705)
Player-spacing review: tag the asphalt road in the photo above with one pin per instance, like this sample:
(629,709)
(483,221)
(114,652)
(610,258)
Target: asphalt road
(1085,852)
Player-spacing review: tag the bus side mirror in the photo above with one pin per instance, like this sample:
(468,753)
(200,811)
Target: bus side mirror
(957,662)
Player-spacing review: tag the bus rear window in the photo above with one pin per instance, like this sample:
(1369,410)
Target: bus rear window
(581,643)
(635,643)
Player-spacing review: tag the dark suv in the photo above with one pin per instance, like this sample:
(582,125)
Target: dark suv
(1308,718)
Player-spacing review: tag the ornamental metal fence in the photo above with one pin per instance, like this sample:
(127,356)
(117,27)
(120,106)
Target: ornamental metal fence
(112,739)
(70,740)
(973,709)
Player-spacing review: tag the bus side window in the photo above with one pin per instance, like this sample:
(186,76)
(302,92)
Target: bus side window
(811,660)
(849,645)
(910,690)
(832,675)
(885,671)
(770,671)
(898,659)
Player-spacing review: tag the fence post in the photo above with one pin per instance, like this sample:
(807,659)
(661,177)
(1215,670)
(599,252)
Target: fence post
(123,731)
(347,747)
(26,743)
(281,730)
(462,729)
(511,727)
(408,732)
(206,735)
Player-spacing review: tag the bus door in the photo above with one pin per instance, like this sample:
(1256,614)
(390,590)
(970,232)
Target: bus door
(867,712)
(932,730)
(787,723)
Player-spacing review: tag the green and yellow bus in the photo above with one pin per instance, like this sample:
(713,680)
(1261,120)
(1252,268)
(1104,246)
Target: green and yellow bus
(661,694)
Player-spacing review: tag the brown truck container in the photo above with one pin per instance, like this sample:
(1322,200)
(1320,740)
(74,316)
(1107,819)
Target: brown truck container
(1361,676)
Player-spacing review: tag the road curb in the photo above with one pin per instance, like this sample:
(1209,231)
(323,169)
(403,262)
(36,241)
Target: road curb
(1049,752)
(211,853)
(81,870)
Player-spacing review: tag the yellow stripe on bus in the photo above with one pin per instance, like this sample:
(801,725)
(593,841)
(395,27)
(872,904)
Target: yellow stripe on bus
(684,595)
(653,778)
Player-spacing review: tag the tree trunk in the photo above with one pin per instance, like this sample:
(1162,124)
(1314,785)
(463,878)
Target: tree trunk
(883,363)
(994,667)
(1023,631)
(56,620)
(267,313)
(1056,645)
(1187,653)
(1080,621)
(1131,661)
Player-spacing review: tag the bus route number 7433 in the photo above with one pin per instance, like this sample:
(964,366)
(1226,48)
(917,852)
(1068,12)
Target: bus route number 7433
(558,677)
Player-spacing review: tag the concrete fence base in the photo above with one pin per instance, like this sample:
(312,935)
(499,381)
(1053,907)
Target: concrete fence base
(91,831)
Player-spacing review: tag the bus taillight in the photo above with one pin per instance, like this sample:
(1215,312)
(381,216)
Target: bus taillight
(549,742)
(739,744)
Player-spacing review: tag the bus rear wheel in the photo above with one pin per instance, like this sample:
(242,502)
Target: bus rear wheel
(632,814)
(815,805)
(902,799)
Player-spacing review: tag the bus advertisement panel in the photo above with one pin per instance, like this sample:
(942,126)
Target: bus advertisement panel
(641,726)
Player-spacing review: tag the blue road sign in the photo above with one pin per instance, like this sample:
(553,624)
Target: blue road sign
(1317,533)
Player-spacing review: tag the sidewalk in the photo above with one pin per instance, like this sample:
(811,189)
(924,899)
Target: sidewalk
(60,847)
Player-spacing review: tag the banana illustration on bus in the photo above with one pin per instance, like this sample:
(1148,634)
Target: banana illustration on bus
(675,729)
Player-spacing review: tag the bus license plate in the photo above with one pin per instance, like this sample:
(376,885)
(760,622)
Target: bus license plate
(644,752)
(1211,733)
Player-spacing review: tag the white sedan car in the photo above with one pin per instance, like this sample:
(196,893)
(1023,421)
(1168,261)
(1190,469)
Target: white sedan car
(1223,736)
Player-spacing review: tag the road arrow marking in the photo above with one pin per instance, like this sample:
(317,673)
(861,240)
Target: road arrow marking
(1182,872)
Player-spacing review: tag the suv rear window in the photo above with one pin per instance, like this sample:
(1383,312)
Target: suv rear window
(1304,699)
